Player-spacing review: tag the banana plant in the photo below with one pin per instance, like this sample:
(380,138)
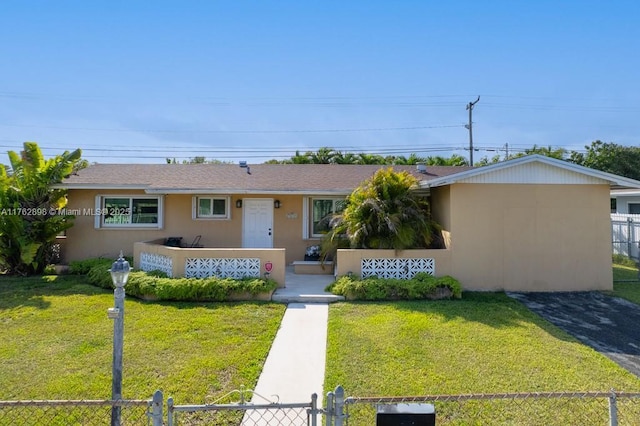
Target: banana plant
(29,206)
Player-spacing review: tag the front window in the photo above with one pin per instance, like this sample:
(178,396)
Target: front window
(130,211)
(211,207)
(634,208)
(323,211)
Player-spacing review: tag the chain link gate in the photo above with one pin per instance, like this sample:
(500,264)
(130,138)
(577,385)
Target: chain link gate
(269,413)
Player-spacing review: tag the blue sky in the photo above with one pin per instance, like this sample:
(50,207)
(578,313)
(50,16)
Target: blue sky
(133,81)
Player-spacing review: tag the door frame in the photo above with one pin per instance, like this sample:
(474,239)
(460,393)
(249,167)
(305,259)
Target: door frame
(248,201)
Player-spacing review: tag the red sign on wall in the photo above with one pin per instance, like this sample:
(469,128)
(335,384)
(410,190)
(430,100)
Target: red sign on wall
(268,266)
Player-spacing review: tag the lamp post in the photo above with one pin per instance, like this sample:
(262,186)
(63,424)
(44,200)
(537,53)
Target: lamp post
(119,275)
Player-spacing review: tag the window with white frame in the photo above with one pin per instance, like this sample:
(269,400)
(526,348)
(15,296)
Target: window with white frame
(634,208)
(115,211)
(211,207)
(322,211)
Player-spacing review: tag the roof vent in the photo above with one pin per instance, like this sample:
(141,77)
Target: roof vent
(422,168)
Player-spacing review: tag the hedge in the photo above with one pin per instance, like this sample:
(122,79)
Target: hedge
(155,285)
(421,286)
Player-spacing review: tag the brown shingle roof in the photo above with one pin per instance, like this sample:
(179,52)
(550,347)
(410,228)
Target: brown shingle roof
(228,178)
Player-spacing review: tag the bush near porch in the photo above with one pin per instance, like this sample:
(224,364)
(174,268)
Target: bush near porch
(154,285)
(421,286)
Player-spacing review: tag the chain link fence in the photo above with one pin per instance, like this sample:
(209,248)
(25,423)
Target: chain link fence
(70,412)
(544,408)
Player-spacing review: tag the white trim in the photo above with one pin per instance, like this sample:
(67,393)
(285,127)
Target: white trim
(310,224)
(195,206)
(213,191)
(305,218)
(98,218)
(612,179)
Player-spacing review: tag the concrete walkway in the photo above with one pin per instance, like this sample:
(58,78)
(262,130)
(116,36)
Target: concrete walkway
(294,368)
(305,289)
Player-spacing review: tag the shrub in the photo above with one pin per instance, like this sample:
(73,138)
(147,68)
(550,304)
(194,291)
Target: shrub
(82,267)
(153,285)
(421,286)
(620,259)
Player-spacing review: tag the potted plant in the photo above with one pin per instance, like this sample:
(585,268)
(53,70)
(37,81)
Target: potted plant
(312,253)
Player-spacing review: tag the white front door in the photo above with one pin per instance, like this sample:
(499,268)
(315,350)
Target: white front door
(257,223)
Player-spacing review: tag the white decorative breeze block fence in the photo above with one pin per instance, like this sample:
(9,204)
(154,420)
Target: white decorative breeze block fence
(156,262)
(222,267)
(397,267)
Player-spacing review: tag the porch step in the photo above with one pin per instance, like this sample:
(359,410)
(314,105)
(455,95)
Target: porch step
(285,297)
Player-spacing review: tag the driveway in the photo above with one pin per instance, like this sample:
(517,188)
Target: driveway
(608,324)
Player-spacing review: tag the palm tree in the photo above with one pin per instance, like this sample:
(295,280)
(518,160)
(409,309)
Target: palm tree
(383,213)
(324,155)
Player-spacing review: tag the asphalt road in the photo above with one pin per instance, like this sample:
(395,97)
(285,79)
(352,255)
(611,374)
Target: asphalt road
(608,324)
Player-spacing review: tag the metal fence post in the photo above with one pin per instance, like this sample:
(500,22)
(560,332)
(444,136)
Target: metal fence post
(314,410)
(156,414)
(329,411)
(613,409)
(170,411)
(339,406)
(629,236)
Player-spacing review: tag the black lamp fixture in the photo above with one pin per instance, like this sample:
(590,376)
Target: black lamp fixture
(276,204)
(239,203)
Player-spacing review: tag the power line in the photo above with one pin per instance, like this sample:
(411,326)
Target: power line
(375,129)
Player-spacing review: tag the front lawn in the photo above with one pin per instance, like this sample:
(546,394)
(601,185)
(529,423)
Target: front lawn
(484,343)
(57,343)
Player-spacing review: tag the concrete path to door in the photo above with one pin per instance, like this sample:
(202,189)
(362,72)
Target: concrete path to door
(607,324)
(294,368)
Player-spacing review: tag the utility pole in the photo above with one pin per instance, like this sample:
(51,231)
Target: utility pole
(469,126)
(506,146)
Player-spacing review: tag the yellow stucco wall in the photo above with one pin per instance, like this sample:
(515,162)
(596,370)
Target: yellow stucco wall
(349,260)
(499,236)
(85,241)
(531,237)
(440,205)
(276,257)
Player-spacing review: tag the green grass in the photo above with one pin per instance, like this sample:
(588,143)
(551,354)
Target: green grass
(483,343)
(626,283)
(57,343)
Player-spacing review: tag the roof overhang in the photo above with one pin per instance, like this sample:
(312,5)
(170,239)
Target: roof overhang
(101,186)
(615,181)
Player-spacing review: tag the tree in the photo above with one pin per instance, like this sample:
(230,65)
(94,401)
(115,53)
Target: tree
(485,161)
(611,158)
(383,213)
(454,160)
(30,207)
(559,153)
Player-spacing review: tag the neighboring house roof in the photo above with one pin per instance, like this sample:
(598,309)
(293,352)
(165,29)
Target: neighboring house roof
(625,193)
(232,179)
(534,169)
